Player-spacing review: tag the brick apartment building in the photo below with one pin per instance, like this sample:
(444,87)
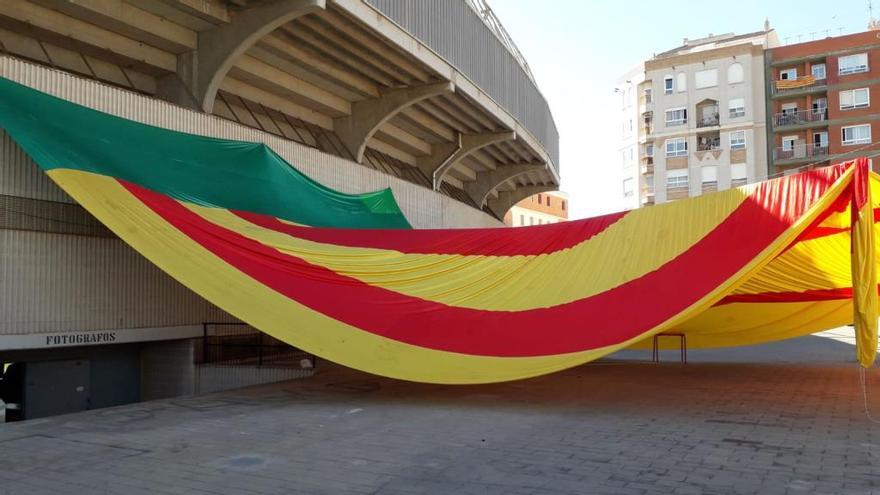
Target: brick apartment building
(539,209)
(820,101)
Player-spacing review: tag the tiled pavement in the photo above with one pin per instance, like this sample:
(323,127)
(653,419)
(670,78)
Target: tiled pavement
(621,427)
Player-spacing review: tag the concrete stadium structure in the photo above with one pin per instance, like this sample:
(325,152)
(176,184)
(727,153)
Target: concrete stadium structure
(431,99)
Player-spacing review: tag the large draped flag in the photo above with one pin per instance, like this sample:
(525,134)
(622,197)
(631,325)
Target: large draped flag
(346,278)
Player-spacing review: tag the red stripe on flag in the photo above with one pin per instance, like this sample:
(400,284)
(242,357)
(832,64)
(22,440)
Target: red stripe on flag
(543,239)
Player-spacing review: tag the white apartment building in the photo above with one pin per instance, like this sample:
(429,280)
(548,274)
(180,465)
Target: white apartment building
(702,117)
(631,138)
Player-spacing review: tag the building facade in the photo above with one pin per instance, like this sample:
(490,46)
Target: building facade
(633,136)
(358,94)
(540,209)
(701,117)
(821,101)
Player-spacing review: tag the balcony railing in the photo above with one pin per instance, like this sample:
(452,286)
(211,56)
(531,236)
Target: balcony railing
(800,117)
(712,144)
(674,123)
(800,151)
(802,82)
(708,121)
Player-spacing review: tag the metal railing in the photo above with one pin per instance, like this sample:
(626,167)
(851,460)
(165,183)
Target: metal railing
(800,117)
(800,151)
(239,344)
(709,121)
(712,144)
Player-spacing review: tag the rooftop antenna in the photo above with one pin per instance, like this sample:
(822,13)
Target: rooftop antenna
(873,24)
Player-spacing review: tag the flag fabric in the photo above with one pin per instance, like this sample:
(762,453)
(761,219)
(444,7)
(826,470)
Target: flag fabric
(346,278)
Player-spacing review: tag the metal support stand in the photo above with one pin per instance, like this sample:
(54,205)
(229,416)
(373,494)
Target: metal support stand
(682,339)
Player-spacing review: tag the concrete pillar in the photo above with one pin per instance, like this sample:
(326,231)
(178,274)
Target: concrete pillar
(444,157)
(507,199)
(368,115)
(200,73)
(480,189)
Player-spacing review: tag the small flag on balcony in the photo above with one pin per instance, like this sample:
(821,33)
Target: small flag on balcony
(795,83)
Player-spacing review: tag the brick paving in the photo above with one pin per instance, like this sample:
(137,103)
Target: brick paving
(725,423)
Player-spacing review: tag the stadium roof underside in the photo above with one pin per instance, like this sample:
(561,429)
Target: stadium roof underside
(449,107)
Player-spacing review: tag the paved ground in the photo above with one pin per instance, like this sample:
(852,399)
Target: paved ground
(722,424)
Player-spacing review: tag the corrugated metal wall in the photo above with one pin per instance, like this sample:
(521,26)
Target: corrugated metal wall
(453,30)
(54,281)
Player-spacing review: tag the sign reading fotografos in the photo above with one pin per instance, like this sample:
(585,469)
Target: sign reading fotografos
(81,338)
(98,337)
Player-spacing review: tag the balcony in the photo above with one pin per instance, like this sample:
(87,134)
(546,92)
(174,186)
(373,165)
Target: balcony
(803,82)
(799,117)
(709,144)
(709,121)
(647,168)
(707,113)
(800,151)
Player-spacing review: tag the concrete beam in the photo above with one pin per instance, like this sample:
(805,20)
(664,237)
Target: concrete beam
(367,116)
(437,165)
(200,72)
(506,199)
(487,181)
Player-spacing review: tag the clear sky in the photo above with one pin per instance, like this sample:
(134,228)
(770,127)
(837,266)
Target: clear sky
(578,48)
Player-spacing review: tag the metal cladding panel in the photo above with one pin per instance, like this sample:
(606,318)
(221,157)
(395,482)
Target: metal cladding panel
(20,176)
(421,205)
(63,283)
(453,30)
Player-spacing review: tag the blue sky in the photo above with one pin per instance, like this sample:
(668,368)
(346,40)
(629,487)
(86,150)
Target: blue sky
(578,48)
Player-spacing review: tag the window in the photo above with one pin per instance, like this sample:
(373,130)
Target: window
(647,95)
(737,107)
(676,147)
(788,142)
(735,73)
(856,134)
(820,139)
(548,200)
(563,205)
(649,181)
(738,171)
(522,219)
(676,178)
(818,71)
(787,74)
(649,150)
(709,174)
(628,187)
(667,85)
(706,78)
(737,140)
(676,116)
(852,64)
(681,82)
(539,198)
(854,98)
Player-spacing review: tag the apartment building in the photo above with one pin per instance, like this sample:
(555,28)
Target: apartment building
(820,101)
(539,209)
(701,115)
(632,134)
